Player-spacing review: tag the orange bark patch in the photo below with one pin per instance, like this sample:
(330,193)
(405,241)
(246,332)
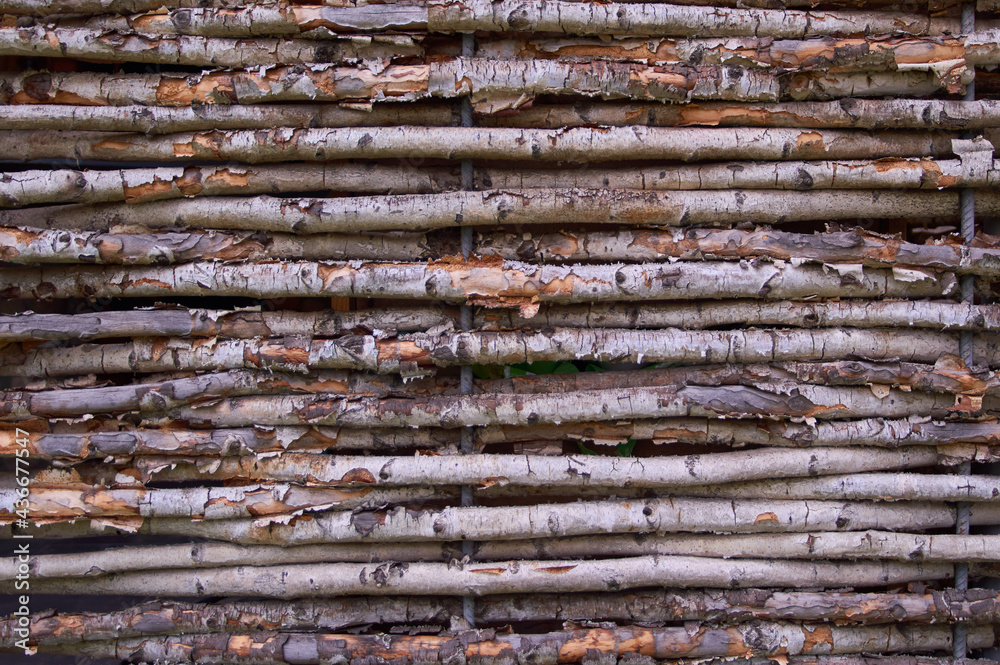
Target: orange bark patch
(358,476)
(816,638)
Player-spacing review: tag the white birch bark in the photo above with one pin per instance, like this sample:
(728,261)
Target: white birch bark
(156,120)
(197,322)
(894,173)
(486,470)
(938,315)
(653,19)
(420,212)
(31,247)
(122,440)
(842,114)
(835,248)
(408,354)
(324,580)
(575,144)
(34,187)
(489,280)
(113,44)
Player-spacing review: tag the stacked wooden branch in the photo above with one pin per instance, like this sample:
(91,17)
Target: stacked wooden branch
(699,388)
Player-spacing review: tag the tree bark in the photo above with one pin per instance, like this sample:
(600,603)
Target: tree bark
(845,113)
(77,442)
(32,247)
(236,324)
(118,43)
(895,173)
(25,188)
(579,144)
(488,280)
(948,376)
(802,401)
(839,248)
(733,607)
(654,20)
(485,470)
(938,315)
(842,114)
(554,521)
(571,646)
(408,355)
(319,580)
(420,212)
(156,120)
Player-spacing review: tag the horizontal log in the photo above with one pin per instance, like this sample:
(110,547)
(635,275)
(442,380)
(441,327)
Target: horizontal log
(110,43)
(449,16)
(179,322)
(864,53)
(841,114)
(654,19)
(511,523)
(578,144)
(896,173)
(731,607)
(494,86)
(485,470)
(802,401)
(118,439)
(387,356)
(489,280)
(838,247)
(34,187)
(939,315)
(216,323)
(570,646)
(140,185)
(872,486)
(30,247)
(266,503)
(319,580)
(418,212)
(948,376)
(867,545)
(168,393)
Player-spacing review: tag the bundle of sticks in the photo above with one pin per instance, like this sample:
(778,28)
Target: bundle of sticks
(472,331)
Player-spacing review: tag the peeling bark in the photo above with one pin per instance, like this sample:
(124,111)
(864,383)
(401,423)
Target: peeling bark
(856,314)
(25,188)
(113,438)
(156,120)
(217,323)
(31,247)
(418,212)
(652,19)
(408,354)
(112,44)
(488,280)
(837,248)
(572,646)
(579,144)
(485,470)
(173,617)
(895,173)
(844,113)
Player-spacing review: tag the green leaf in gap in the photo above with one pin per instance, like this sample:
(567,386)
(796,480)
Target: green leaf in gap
(625,449)
(481,372)
(584,450)
(565,368)
(591,367)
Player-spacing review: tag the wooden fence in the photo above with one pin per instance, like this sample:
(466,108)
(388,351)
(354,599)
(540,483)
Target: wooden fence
(471,331)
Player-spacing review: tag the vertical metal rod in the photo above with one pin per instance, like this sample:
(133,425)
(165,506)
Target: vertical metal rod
(968,286)
(465,321)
